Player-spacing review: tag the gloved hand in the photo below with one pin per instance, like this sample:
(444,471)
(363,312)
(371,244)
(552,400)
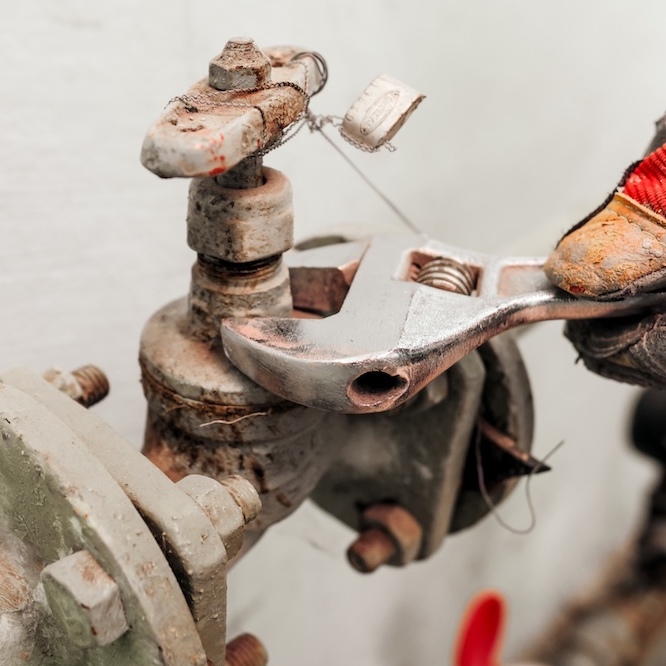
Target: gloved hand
(617,251)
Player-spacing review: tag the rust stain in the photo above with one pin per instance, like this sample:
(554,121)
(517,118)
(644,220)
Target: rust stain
(147,568)
(92,573)
(163,458)
(14,591)
(251,463)
(284,500)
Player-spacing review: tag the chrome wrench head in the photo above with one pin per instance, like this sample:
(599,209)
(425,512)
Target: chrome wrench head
(393,334)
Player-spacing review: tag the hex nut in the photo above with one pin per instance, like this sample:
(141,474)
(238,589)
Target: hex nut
(222,508)
(241,65)
(241,225)
(84,600)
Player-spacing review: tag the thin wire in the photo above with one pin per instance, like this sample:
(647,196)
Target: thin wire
(528,495)
(232,421)
(318,127)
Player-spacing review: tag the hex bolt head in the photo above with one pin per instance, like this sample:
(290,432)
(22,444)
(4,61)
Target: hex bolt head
(240,66)
(84,600)
(228,507)
(389,535)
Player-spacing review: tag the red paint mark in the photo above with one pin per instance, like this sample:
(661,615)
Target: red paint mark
(647,182)
(480,635)
(220,169)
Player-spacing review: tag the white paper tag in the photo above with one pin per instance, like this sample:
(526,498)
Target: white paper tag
(376,116)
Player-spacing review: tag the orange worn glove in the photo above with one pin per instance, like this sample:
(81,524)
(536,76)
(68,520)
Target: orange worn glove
(616,251)
(620,249)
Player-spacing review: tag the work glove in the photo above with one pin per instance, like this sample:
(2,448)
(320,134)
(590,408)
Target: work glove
(617,251)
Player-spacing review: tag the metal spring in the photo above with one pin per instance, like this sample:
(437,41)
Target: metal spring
(449,275)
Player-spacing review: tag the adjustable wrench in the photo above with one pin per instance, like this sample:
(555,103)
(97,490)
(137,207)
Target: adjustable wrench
(389,332)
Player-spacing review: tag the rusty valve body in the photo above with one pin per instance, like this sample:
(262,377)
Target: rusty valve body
(204,416)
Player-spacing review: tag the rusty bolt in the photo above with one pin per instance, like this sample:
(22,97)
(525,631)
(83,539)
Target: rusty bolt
(241,65)
(389,535)
(229,505)
(246,650)
(88,385)
(372,549)
(84,600)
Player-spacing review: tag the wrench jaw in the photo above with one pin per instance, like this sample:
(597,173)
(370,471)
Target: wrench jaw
(388,336)
(276,354)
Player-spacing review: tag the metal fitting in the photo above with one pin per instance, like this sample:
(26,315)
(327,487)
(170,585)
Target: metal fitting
(241,65)
(88,385)
(372,548)
(389,535)
(241,225)
(229,505)
(219,290)
(85,600)
(246,650)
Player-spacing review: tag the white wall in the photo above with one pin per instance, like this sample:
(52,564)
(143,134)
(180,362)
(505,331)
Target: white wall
(533,111)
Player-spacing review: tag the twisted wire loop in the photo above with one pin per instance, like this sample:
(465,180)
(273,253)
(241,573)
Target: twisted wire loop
(367,149)
(193,103)
(314,122)
(449,275)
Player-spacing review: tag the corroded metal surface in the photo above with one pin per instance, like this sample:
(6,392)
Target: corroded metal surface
(206,132)
(420,454)
(240,65)
(404,536)
(85,600)
(246,650)
(241,225)
(415,457)
(284,469)
(219,290)
(206,417)
(227,515)
(88,385)
(183,531)
(20,568)
(404,334)
(46,471)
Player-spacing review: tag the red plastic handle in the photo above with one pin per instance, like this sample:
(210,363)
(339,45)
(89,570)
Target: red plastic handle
(481,631)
